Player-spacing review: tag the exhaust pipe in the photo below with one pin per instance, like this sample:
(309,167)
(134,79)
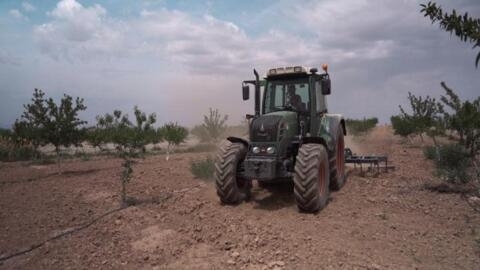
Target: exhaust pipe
(257,93)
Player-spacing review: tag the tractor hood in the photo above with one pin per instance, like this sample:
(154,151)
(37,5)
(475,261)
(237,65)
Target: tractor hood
(273,126)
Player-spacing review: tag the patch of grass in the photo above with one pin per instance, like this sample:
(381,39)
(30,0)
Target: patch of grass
(203,169)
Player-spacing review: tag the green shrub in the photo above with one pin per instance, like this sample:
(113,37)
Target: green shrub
(360,126)
(402,126)
(430,152)
(11,152)
(203,169)
(453,163)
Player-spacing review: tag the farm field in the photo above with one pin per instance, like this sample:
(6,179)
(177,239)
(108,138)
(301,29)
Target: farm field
(385,221)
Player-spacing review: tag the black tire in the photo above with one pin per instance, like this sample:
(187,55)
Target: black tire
(230,188)
(337,168)
(311,178)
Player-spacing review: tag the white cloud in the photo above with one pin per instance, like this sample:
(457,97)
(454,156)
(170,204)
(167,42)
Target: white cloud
(76,32)
(15,13)
(205,44)
(27,7)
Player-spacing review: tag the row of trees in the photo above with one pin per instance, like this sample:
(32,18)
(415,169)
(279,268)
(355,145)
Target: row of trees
(44,122)
(360,126)
(450,116)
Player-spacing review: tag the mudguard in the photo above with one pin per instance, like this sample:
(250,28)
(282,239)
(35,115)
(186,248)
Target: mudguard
(239,140)
(329,125)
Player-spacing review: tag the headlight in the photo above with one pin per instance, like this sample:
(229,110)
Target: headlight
(256,149)
(271,150)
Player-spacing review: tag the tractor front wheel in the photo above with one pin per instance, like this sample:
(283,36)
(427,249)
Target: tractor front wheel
(312,178)
(231,188)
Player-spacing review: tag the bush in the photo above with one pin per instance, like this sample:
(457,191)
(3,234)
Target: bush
(430,152)
(402,126)
(453,163)
(213,127)
(359,127)
(12,152)
(203,169)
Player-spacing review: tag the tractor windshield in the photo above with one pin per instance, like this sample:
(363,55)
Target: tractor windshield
(290,95)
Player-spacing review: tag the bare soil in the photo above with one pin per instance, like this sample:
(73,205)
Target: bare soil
(384,221)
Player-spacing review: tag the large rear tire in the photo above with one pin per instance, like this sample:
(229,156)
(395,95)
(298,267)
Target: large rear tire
(231,189)
(311,179)
(337,171)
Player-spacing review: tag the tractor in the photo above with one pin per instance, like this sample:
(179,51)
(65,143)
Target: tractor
(292,137)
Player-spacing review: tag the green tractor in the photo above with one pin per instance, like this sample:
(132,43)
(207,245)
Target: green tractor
(291,137)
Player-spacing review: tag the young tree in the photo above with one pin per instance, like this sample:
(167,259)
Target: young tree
(62,126)
(425,117)
(30,128)
(402,126)
(465,27)
(129,139)
(174,134)
(43,121)
(464,118)
(213,126)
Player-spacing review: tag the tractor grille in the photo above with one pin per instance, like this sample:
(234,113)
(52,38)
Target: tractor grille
(264,129)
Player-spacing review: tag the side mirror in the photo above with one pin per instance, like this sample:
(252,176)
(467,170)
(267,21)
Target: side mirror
(326,87)
(245,92)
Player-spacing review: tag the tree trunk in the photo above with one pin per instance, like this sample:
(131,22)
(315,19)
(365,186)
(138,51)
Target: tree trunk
(57,150)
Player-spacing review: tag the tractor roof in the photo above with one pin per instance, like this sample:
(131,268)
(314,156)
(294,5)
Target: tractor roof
(290,70)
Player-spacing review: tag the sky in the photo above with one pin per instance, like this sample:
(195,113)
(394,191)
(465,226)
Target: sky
(179,58)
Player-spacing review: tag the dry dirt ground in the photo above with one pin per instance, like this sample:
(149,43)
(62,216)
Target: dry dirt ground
(388,221)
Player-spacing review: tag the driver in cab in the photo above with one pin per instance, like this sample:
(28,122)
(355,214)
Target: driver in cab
(295,100)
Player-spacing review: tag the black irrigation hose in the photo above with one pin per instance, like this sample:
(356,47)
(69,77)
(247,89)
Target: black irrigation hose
(79,228)
(84,226)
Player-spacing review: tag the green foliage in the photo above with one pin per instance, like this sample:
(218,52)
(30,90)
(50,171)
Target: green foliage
(129,138)
(452,163)
(402,126)
(213,127)
(174,134)
(203,169)
(430,152)
(360,126)
(464,27)
(5,133)
(32,125)
(425,117)
(464,118)
(43,121)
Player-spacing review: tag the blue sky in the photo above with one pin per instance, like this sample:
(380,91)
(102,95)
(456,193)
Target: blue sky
(178,58)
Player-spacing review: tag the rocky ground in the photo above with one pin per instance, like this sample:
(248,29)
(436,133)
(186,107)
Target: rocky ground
(385,221)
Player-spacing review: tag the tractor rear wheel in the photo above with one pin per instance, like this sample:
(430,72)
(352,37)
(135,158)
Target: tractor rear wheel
(337,175)
(312,177)
(231,188)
